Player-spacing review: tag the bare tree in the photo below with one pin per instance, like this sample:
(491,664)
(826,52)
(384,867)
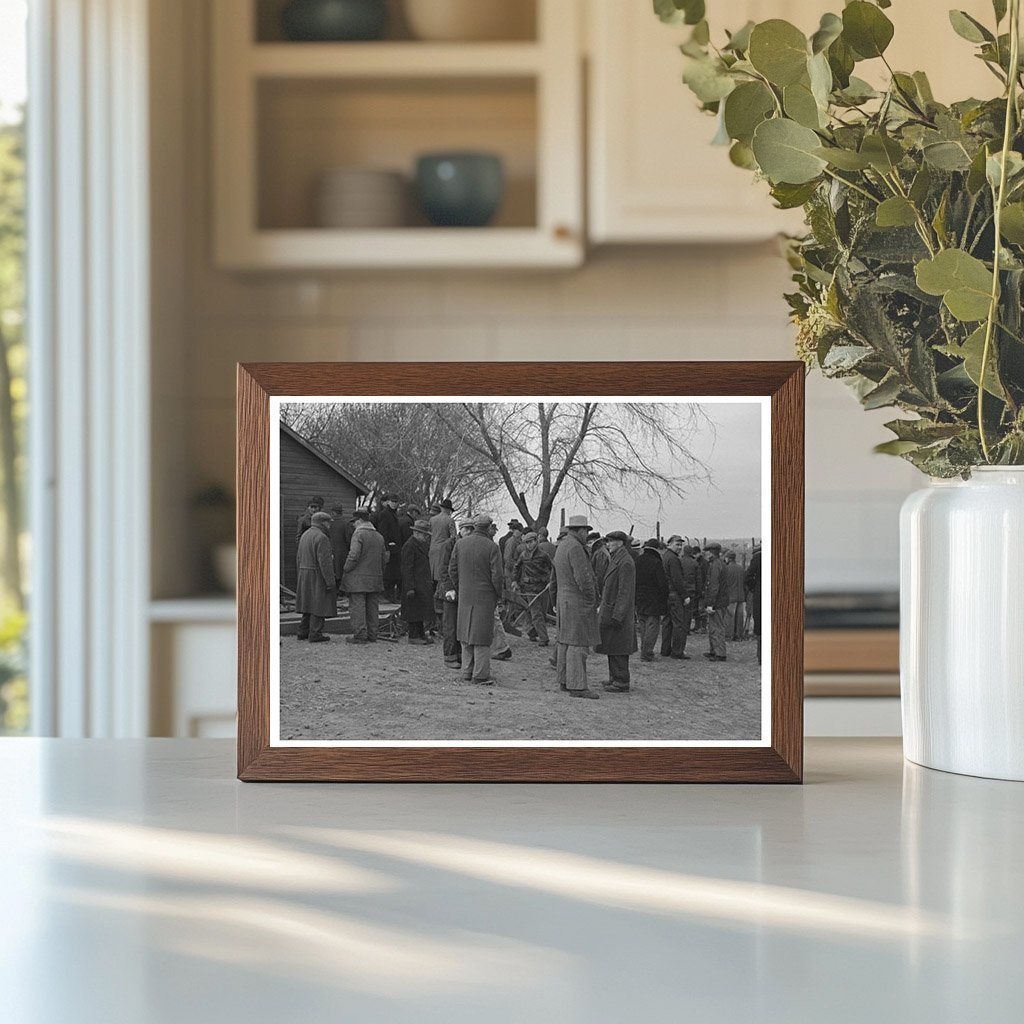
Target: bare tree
(401,447)
(594,449)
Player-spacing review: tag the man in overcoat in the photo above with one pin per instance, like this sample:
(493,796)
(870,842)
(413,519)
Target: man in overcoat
(475,569)
(388,527)
(442,529)
(651,596)
(617,617)
(417,585)
(316,598)
(675,625)
(716,602)
(576,601)
(363,578)
(447,596)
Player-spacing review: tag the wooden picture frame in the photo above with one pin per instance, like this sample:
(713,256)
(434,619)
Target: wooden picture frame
(780,759)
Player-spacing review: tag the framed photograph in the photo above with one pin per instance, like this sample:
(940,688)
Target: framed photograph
(520,572)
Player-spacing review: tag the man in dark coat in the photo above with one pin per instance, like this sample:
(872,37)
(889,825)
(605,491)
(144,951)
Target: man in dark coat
(363,578)
(618,612)
(675,625)
(386,523)
(530,578)
(576,600)
(315,594)
(651,596)
(753,582)
(475,569)
(716,603)
(447,595)
(314,505)
(417,586)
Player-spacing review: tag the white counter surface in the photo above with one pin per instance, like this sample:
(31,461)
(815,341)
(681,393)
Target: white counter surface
(143,885)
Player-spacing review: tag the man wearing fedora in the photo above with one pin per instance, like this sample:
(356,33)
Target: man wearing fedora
(475,570)
(315,592)
(363,578)
(618,611)
(442,529)
(576,601)
(417,586)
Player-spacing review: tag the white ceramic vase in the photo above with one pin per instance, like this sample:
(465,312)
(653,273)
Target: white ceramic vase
(962,624)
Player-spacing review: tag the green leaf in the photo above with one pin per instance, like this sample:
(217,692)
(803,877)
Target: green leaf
(971,352)
(829,30)
(778,50)
(1012,224)
(946,156)
(963,281)
(707,80)
(741,155)
(676,12)
(800,105)
(896,212)
(739,41)
(844,159)
(866,29)
(883,153)
(968,28)
(745,108)
(785,152)
(789,197)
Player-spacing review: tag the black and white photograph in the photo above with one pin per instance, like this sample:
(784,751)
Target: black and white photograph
(521,571)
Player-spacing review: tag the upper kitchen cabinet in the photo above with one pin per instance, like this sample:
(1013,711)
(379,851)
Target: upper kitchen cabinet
(318,143)
(653,174)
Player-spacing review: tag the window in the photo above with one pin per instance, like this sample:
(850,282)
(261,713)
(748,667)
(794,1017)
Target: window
(14,704)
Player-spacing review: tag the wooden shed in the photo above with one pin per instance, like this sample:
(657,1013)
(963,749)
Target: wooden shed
(306,471)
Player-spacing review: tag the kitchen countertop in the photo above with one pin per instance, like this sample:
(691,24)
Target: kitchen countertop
(143,884)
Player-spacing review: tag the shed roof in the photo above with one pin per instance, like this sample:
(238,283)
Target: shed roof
(360,487)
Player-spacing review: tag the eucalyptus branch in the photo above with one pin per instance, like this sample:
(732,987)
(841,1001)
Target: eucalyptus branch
(1000,199)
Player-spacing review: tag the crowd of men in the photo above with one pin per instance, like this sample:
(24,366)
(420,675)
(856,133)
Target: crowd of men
(456,582)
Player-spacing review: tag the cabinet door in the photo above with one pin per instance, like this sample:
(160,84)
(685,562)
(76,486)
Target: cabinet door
(654,175)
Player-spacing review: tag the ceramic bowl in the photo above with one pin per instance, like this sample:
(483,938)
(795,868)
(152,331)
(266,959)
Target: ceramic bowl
(334,20)
(460,189)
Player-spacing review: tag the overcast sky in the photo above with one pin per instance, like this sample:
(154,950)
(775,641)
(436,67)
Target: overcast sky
(730,443)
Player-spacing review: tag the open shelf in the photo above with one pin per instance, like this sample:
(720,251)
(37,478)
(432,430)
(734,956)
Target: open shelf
(286,114)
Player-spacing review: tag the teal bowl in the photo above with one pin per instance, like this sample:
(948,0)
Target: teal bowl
(334,21)
(460,190)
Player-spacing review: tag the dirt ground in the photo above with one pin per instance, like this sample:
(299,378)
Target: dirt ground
(393,691)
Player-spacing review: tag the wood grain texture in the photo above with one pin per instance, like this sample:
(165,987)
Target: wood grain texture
(781,762)
(852,650)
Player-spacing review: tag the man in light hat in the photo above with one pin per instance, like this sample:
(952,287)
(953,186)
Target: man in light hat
(417,586)
(316,597)
(618,611)
(475,570)
(716,603)
(442,529)
(363,578)
(576,601)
